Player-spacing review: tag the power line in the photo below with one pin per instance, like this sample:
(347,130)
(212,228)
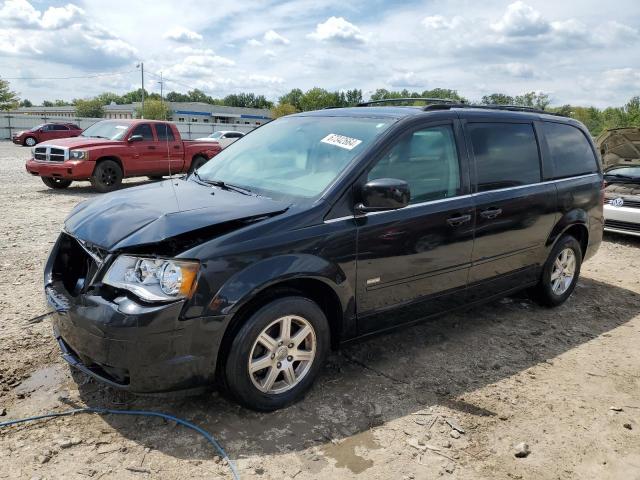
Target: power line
(70,78)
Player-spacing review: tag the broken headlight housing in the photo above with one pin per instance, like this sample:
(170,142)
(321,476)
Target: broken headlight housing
(153,279)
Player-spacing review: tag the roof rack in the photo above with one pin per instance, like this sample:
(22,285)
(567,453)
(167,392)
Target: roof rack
(445,101)
(510,108)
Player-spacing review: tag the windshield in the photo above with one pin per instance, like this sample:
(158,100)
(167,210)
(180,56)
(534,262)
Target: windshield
(215,135)
(111,130)
(294,157)
(37,128)
(631,172)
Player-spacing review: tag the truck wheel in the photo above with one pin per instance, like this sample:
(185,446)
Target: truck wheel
(29,142)
(196,163)
(560,273)
(107,176)
(56,183)
(276,355)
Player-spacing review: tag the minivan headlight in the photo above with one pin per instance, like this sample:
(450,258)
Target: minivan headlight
(153,279)
(78,154)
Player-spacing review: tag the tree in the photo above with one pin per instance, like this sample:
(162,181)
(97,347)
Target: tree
(89,108)
(497,99)
(8,98)
(153,110)
(26,103)
(318,98)
(247,100)
(294,97)
(176,97)
(533,99)
(107,98)
(283,109)
(62,103)
(444,93)
(353,97)
(47,103)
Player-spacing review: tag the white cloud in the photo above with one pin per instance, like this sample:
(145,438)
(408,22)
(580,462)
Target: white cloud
(515,69)
(270,53)
(274,37)
(521,19)
(438,22)
(21,14)
(407,80)
(254,43)
(621,78)
(183,35)
(337,29)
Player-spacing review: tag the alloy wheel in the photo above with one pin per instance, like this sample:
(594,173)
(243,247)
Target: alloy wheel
(30,142)
(563,271)
(282,354)
(108,176)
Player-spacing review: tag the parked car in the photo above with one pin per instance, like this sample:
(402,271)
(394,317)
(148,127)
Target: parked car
(46,132)
(224,138)
(317,229)
(620,149)
(111,150)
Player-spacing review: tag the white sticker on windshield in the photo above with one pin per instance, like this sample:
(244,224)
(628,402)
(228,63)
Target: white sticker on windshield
(341,141)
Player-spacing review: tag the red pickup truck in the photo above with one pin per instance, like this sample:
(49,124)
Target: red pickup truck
(111,150)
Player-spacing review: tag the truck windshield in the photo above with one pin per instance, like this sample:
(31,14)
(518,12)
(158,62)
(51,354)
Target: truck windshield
(110,130)
(297,157)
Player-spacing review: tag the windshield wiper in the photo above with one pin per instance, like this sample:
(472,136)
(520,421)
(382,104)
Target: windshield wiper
(223,185)
(620,175)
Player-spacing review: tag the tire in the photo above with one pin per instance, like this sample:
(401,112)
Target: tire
(56,183)
(29,142)
(292,378)
(196,163)
(558,278)
(107,176)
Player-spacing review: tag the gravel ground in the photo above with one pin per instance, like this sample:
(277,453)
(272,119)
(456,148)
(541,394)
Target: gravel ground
(454,397)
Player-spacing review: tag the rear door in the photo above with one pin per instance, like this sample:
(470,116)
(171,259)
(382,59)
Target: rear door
(515,210)
(414,262)
(60,131)
(46,133)
(171,148)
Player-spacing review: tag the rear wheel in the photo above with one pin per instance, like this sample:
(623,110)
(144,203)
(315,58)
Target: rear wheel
(560,273)
(56,183)
(196,163)
(30,141)
(107,176)
(277,354)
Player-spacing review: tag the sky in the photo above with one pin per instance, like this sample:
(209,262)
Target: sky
(583,53)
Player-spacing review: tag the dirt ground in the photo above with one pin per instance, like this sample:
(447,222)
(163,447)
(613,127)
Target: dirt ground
(564,381)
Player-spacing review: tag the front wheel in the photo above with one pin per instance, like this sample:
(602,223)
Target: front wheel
(107,176)
(56,183)
(560,273)
(277,354)
(30,141)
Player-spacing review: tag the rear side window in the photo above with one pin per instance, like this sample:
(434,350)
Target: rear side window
(506,155)
(60,127)
(164,132)
(144,129)
(570,150)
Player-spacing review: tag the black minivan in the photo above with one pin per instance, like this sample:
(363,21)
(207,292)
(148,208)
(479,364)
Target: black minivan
(319,228)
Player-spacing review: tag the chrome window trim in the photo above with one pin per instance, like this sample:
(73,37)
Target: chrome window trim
(471,195)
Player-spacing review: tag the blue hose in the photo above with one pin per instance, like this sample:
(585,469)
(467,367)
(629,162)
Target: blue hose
(105,411)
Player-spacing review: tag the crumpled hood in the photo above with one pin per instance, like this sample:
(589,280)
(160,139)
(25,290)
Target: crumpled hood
(152,213)
(80,142)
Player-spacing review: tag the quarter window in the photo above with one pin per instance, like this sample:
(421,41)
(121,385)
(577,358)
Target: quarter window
(506,155)
(427,160)
(144,129)
(570,150)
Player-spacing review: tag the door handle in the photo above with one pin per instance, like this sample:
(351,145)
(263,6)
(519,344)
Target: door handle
(457,221)
(151,147)
(490,213)
(176,147)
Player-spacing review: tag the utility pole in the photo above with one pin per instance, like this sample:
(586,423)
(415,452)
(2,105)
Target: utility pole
(141,66)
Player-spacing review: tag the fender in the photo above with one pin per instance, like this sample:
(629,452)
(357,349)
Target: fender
(568,220)
(115,158)
(246,284)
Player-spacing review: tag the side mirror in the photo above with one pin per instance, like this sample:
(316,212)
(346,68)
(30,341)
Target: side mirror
(136,138)
(383,194)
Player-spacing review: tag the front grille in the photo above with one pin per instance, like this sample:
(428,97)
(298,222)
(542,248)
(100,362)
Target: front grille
(73,265)
(619,225)
(627,202)
(49,154)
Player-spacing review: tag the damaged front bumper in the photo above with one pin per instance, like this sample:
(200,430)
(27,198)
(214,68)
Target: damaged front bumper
(124,343)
